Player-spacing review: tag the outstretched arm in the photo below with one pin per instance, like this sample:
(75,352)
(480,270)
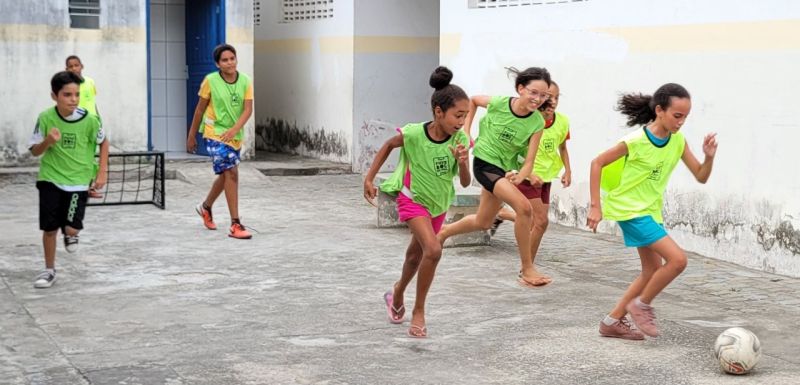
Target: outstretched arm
(370,191)
(102,172)
(527,167)
(474,103)
(609,156)
(191,142)
(566,178)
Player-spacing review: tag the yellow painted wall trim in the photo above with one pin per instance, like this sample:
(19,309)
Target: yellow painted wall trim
(283,46)
(733,36)
(396,44)
(336,45)
(21,33)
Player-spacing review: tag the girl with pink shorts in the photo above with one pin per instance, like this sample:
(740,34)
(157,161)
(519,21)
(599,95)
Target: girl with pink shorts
(431,155)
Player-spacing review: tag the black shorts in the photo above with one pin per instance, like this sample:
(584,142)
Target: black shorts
(486,173)
(59,208)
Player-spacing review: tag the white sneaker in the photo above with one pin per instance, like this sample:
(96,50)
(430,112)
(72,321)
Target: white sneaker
(45,279)
(71,243)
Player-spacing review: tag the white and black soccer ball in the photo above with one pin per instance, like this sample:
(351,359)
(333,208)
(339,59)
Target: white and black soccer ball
(738,350)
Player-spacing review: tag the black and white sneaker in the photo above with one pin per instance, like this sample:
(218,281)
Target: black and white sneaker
(71,243)
(45,279)
(495,225)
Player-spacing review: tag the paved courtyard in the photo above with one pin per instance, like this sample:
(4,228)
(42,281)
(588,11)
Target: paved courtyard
(152,297)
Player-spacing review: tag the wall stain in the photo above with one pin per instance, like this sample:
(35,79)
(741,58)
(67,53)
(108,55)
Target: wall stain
(278,135)
(724,219)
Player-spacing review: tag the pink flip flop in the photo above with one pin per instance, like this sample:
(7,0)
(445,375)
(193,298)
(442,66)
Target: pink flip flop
(394,313)
(422,330)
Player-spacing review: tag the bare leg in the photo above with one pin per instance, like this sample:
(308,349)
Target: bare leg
(651,262)
(507,214)
(49,242)
(431,253)
(410,266)
(232,191)
(216,189)
(509,194)
(482,220)
(676,263)
(540,222)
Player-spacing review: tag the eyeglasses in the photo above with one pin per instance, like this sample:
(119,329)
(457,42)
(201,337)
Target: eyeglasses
(537,95)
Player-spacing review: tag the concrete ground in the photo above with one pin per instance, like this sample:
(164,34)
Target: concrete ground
(152,297)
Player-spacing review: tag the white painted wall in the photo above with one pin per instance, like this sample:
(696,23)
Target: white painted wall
(35,38)
(304,83)
(396,49)
(239,33)
(737,58)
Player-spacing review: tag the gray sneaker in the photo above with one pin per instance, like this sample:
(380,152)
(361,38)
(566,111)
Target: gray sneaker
(44,280)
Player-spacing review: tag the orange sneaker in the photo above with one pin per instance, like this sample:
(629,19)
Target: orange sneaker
(238,231)
(208,219)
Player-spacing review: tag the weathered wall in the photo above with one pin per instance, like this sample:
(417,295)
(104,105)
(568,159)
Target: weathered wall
(35,38)
(738,60)
(304,83)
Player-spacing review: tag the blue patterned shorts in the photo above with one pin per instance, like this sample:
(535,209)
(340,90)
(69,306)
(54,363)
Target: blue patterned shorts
(222,155)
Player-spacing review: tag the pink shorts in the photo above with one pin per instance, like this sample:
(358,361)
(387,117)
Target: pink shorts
(408,209)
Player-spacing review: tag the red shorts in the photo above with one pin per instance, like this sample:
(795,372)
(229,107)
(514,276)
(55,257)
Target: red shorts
(407,209)
(542,192)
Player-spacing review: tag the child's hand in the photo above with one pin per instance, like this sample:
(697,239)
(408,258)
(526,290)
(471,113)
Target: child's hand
(536,181)
(566,179)
(54,135)
(228,135)
(100,181)
(191,144)
(460,153)
(370,192)
(514,177)
(710,145)
(594,218)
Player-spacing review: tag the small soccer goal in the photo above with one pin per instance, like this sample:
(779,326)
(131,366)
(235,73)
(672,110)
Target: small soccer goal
(133,178)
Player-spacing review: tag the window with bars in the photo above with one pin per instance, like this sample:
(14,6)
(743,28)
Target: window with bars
(84,14)
(517,3)
(306,10)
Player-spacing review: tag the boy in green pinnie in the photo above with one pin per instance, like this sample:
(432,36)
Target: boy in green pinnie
(68,136)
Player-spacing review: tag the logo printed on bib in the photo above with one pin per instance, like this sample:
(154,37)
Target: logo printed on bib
(549,144)
(507,135)
(655,174)
(68,140)
(441,165)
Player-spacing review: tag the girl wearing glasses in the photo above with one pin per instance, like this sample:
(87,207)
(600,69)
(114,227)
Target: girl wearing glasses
(640,167)
(510,125)
(432,154)
(551,158)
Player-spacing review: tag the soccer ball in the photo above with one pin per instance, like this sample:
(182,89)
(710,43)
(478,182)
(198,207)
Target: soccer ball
(738,350)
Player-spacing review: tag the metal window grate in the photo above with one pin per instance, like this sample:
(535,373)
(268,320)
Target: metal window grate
(84,14)
(517,3)
(306,10)
(256,13)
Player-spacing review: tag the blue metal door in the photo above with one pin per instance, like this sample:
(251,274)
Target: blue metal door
(205,29)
